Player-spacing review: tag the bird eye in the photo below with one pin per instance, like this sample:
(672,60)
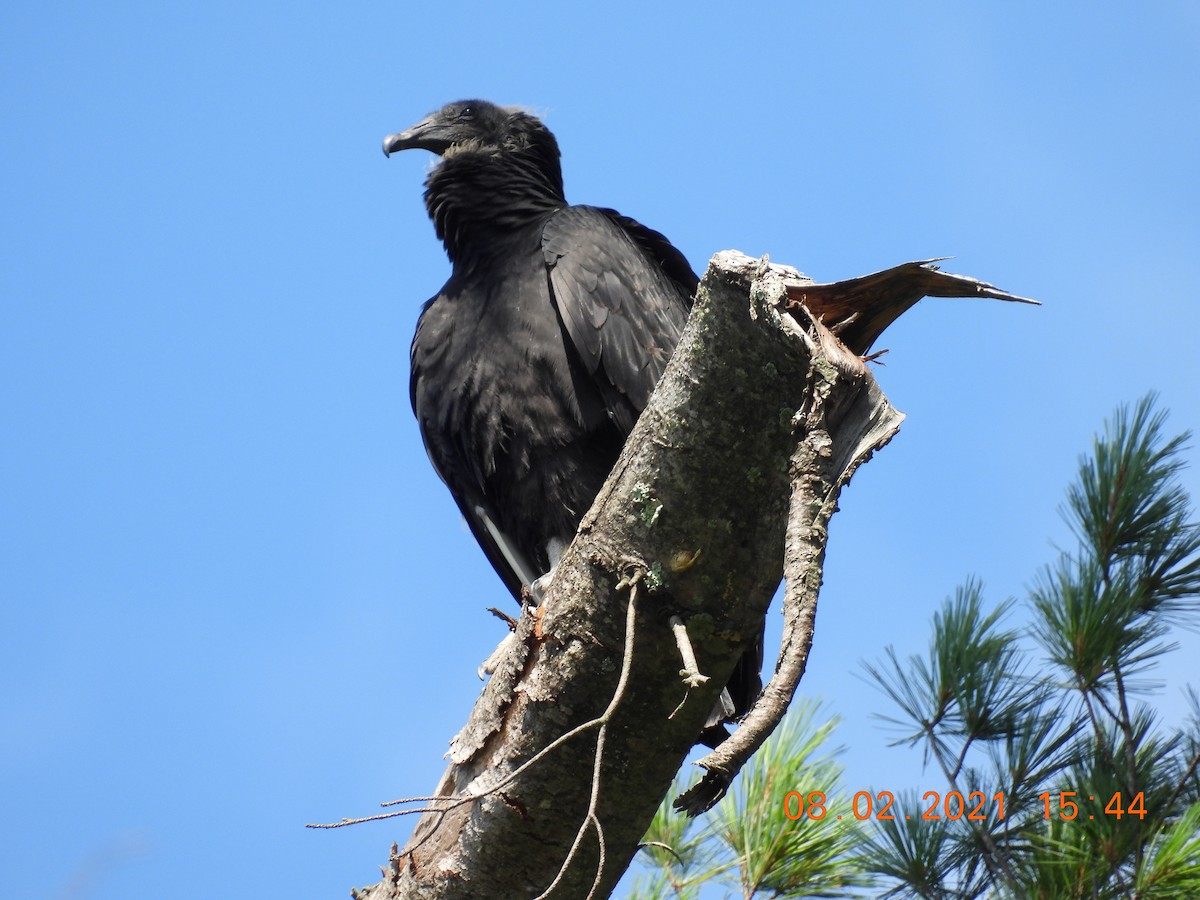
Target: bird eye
(467,112)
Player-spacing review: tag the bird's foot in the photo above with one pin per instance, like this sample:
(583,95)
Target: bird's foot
(492,663)
(537,591)
(489,665)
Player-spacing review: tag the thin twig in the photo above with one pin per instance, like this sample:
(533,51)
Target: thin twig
(594,800)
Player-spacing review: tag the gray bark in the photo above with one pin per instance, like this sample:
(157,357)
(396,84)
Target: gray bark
(760,412)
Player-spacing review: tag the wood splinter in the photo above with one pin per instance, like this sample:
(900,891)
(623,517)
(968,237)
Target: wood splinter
(690,673)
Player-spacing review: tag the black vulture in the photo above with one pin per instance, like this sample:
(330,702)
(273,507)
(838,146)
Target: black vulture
(533,362)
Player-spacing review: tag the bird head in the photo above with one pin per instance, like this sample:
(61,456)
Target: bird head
(469,125)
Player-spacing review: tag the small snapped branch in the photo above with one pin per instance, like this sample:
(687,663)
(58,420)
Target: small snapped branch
(690,673)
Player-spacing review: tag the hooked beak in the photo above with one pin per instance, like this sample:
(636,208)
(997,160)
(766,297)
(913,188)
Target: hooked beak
(428,134)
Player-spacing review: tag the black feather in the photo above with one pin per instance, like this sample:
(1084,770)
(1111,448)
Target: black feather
(532,364)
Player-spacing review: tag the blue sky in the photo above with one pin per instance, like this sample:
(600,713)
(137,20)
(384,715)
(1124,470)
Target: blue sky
(234,596)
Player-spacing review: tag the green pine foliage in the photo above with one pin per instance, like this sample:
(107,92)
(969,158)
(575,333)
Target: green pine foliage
(769,837)
(1101,800)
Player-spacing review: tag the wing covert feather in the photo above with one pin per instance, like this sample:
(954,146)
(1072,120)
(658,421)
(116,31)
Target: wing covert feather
(623,312)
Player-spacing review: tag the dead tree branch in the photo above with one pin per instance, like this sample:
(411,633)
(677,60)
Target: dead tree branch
(760,419)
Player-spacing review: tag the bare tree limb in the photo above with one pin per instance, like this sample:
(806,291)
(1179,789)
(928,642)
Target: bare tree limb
(844,420)
(759,420)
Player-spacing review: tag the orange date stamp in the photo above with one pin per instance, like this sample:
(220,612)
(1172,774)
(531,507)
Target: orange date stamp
(974,806)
